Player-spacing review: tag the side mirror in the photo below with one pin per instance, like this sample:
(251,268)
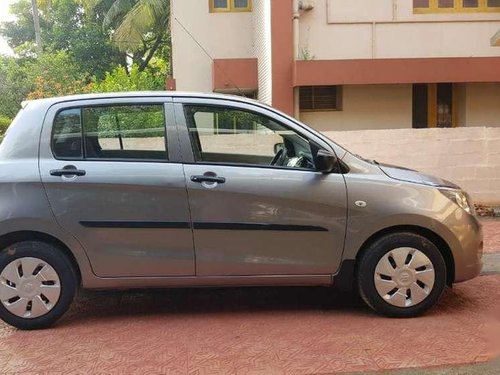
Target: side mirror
(278,146)
(325,161)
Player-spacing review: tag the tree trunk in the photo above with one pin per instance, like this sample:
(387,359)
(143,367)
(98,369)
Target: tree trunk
(169,44)
(36,23)
(151,53)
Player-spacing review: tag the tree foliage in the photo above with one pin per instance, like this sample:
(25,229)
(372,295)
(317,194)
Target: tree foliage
(14,86)
(88,46)
(4,124)
(55,74)
(133,80)
(140,27)
(52,74)
(65,27)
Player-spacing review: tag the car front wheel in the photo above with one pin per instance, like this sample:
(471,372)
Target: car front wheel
(37,284)
(401,275)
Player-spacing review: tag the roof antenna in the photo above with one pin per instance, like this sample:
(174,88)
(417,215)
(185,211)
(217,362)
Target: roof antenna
(210,57)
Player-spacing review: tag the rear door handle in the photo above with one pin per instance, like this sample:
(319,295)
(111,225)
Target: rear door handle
(69,170)
(213,179)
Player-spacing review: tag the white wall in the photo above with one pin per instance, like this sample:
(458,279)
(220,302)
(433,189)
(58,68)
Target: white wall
(263,50)
(353,29)
(469,157)
(223,35)
(367,107)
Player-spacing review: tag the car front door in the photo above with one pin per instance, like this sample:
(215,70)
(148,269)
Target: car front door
(112,173)
(258,206)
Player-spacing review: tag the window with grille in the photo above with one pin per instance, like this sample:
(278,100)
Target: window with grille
(217,6)
(320,98)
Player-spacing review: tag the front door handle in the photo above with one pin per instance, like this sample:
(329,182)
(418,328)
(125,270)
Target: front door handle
(212,179)
(68,170)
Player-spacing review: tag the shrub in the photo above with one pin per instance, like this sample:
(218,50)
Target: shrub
(4,124)
(14,86)
(118,80)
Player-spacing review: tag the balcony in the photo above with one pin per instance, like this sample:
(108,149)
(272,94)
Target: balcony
(235,76)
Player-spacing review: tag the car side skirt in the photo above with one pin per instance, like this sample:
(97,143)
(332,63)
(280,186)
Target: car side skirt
(208,281)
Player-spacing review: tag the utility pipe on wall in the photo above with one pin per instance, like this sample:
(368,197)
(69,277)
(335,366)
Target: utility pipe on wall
(296,54)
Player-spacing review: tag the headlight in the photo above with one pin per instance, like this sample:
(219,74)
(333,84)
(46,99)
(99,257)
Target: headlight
(461,198)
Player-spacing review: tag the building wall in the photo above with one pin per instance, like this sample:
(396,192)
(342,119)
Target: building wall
(469,157)
(374,107)
(282,55)
(482,103)
(263,50)
(223,35)
(360,29)
(367,107)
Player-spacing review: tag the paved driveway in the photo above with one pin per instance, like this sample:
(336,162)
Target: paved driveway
(258,331)
(491,229)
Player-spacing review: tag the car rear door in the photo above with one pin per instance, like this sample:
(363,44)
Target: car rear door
(116,183)
(250,218)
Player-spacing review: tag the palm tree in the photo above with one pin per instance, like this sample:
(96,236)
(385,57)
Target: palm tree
(139,26)
(36,23)
(35,6)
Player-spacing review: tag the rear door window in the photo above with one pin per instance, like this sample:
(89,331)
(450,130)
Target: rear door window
(111,132)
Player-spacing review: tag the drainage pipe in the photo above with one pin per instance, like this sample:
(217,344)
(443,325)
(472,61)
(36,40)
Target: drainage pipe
(296,54)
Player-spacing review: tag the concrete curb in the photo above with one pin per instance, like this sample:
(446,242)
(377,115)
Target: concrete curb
(491,264)
(487,368)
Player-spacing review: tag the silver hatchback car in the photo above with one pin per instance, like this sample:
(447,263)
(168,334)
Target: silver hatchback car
(144,190)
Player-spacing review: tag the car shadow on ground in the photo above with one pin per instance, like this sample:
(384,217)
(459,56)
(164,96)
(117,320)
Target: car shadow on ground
(91,305)
(116,304)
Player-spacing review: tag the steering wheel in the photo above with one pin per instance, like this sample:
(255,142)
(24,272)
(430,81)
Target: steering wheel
(304,162)
(278,156)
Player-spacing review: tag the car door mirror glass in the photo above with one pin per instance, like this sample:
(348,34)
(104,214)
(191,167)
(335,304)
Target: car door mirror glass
(325,161)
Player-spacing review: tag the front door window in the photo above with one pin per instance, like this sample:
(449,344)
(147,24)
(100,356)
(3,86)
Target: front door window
(234,136)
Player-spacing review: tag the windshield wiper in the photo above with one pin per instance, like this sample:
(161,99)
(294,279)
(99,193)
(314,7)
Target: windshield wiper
(371,161)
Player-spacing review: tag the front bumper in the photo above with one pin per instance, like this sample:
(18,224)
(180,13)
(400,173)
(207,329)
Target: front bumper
(469,252)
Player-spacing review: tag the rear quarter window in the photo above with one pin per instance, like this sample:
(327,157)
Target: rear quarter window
(67,134)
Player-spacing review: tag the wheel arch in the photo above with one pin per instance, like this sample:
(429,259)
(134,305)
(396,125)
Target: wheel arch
(432,236)
(11,238)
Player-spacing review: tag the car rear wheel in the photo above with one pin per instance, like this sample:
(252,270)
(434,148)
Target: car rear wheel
(37,284)
(401,275)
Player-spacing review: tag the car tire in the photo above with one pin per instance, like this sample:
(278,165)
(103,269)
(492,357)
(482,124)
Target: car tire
(401,275)
(37,284)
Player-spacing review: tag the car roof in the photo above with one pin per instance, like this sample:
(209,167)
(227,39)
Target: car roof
(143,94)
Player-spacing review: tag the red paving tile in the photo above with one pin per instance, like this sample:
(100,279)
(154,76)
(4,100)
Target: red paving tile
(253,331)
(491,229)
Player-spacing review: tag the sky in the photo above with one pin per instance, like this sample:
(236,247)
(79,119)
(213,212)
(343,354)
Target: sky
(5,16)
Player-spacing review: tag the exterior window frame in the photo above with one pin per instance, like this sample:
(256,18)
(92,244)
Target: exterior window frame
(458,7)
(53,133)
(84,157)
(231,8)
(186,149)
